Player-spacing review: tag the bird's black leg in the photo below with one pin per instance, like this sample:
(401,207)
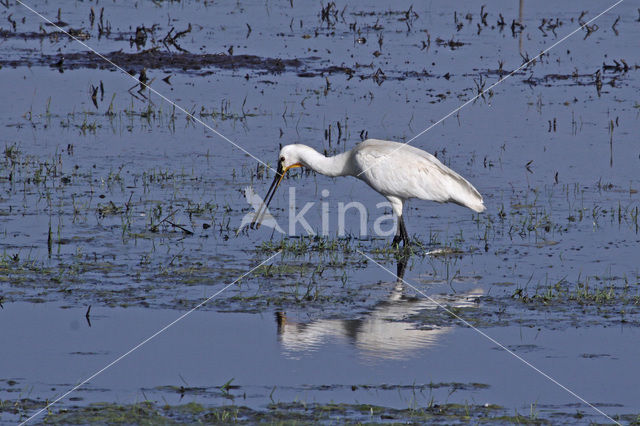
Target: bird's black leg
(403,233)
(398,236)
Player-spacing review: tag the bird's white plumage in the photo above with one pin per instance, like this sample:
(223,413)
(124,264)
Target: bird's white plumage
(403,172)
(397,171)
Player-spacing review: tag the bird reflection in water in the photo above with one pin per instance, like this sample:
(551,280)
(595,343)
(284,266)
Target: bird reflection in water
(384,332)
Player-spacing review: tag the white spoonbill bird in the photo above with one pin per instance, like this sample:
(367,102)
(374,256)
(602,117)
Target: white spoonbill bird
(396,170)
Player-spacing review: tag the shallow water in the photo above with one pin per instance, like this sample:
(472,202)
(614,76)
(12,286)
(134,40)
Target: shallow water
(190,361)
(95,200)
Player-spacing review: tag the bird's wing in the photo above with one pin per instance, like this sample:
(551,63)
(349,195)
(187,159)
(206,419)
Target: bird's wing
(380,167)
(403,171)
(451,185)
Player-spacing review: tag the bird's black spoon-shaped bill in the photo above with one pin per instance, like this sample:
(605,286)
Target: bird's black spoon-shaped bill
(257,220)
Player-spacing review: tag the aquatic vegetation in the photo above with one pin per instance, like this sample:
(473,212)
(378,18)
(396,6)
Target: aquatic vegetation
(112,197)
(291,413)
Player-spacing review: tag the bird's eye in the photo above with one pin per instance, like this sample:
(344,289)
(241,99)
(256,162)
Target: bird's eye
(282,159)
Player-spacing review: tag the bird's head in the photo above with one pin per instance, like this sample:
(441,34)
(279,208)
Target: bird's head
(288,158)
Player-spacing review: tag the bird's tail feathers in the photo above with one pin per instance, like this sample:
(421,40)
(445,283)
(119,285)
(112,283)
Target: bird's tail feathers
(467,196)
(477,206)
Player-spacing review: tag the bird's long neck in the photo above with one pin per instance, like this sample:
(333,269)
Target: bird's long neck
(337,165)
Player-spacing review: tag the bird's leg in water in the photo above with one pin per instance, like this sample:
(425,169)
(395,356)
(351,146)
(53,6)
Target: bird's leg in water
(397,238)
(401,234)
